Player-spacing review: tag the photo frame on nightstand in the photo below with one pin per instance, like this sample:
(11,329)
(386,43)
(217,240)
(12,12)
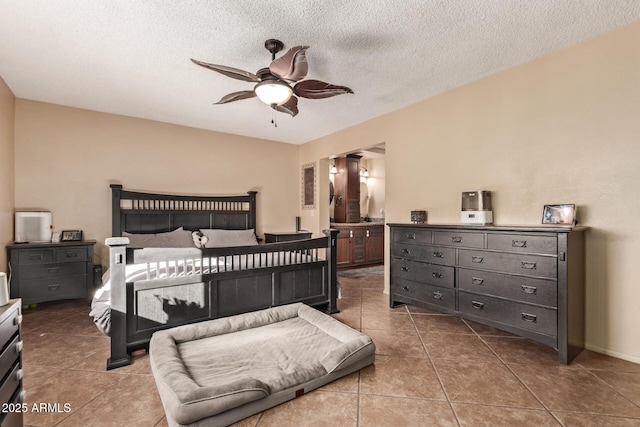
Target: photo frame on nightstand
(71,235)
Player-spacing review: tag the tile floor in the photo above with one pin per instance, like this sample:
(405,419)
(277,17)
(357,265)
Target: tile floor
(430,370)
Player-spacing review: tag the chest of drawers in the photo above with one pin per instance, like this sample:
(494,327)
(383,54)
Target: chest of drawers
(42,272)
(11,392)
(525,280)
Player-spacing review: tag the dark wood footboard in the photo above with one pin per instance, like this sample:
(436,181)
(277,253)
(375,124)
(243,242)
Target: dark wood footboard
(242,279)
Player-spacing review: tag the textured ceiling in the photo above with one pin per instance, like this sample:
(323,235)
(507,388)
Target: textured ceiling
(131,57)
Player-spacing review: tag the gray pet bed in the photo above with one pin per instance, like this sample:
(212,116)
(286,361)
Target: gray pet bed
(221,371)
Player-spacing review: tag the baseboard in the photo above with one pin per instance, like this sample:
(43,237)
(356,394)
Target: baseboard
(612,353)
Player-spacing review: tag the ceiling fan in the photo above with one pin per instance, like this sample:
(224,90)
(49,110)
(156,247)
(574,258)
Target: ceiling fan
(274,83)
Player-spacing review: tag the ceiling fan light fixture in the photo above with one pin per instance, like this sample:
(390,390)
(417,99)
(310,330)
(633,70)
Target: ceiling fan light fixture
(273,92)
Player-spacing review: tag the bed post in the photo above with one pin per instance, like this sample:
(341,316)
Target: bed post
(116,193)
(332,257)
(252,210)
(117,260)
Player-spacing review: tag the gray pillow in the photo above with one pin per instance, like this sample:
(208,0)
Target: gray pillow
(178,238)
(225,238)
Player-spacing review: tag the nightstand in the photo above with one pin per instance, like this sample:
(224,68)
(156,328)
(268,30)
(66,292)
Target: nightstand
(42,272)
(11,392)
(286,236)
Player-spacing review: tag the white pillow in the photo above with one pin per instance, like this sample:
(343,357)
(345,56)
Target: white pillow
(224,238)
(178,238)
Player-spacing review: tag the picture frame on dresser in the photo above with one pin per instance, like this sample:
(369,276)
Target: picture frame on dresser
(71,236)
(564,214)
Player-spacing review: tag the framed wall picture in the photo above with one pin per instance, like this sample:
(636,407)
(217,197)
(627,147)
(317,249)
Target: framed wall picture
(308,186)
(559,214)
(71,235)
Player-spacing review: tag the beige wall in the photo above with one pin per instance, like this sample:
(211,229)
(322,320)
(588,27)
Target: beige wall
(7,109)
(560,129)
(66,158)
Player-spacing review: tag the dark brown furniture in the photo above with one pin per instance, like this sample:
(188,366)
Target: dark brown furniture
(286,236)
(359,244)
(42,272)
(347,189)
(525,280)
(11,391)
(245,278)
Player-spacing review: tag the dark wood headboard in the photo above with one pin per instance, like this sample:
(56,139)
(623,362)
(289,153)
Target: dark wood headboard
(138,212)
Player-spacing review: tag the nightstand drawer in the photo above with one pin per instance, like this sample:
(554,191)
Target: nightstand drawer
(11,384)
(443,297)
(459,239)
(523,316)
(51,289)
(519,288)
(523,243)
(36,256)
(10,355)
(438,275)
(10,326)
(71,254)
(62,269)
(531,265)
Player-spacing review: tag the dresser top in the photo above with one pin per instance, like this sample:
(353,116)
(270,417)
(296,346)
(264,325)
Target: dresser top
(551,228)
(51,244)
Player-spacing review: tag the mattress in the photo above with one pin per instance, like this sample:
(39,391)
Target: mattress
(221,371)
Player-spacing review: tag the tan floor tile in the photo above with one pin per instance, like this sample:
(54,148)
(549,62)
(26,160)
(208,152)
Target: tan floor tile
(396,343)
(590,420)
(419,310)
(350,319)
(468,348)
(122,404)
(71,324)
(73,387)
(98,362)
(162,423)
(593,360)
(484,330)
(386,320)
(318,408)
(402,377)
(60,351)
(523,351)
(558,387)
(483,383)
(626,383)
(497,416)
(251,421)
(348,384)
(35,374)
(440,324)
(383,411)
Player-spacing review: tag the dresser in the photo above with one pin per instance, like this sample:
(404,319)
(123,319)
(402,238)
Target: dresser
(42,272)
(529,281)
(11,392)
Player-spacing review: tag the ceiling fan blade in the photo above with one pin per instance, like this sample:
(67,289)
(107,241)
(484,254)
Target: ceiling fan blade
(315,89)
(289,107)
(236,96)
(234,73)
(292,65)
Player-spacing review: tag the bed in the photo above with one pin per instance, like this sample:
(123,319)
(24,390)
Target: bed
(151,289)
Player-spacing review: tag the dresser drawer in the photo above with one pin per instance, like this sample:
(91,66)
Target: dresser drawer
(14,418)
(532,318)
(62,269)
(532,265)
(71,254)
(459,239)
(10,356)
(523,243)
(411,235)
(10,384)
(36,256)
(520,288)
(51,289)
(10,326)
(438,275)
(443,297)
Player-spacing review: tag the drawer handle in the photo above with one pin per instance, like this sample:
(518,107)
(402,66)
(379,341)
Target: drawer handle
(532,318)
(367,233)
(411,236)
(404,268)
(72,255)
(531,290)
(53,287)
(477,281)
(456,239)
(437,295)
(405,288)
(19,375)
(437,254)
(477,259)
(528,265)
(519,243)
(405,251)
(35,257)
(17,320)
(53,269)
(436,275)
(19,346)
(477,305)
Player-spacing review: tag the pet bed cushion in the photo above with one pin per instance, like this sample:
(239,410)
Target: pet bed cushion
(207,368)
